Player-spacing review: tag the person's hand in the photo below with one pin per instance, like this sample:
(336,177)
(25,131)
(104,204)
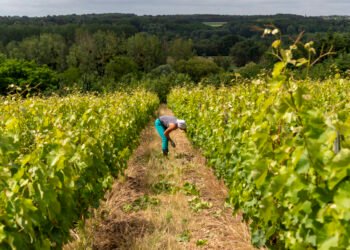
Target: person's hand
(173,144)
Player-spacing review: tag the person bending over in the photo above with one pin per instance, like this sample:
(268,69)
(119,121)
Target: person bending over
(164,126)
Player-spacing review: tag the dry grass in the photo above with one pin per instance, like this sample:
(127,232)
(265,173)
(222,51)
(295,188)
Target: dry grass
(171,224)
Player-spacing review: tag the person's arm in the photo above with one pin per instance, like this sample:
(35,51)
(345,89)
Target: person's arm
(172,126)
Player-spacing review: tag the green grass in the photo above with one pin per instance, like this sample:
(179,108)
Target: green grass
(215,24)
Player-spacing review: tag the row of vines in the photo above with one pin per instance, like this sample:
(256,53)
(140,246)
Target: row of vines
(58,156)
(274,144)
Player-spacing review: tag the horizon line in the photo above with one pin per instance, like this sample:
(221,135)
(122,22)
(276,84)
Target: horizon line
(155,15)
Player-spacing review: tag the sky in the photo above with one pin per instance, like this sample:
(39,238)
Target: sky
(164,7)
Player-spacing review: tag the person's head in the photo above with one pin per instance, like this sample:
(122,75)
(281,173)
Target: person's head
(181,124)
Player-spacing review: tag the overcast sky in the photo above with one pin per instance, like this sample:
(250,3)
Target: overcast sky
(158,7)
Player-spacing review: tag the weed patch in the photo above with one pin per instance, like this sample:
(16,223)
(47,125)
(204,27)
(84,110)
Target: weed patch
(141,203)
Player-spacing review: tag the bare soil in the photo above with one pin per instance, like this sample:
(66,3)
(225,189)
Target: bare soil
(156,204)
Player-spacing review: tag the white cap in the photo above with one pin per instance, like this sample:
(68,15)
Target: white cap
(181,124)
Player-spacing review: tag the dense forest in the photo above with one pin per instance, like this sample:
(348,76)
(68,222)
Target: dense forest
(104,51)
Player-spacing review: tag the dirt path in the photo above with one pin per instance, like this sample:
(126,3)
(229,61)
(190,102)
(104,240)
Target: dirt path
(174,203)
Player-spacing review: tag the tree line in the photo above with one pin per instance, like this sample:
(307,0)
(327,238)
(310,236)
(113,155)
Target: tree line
(98,50)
